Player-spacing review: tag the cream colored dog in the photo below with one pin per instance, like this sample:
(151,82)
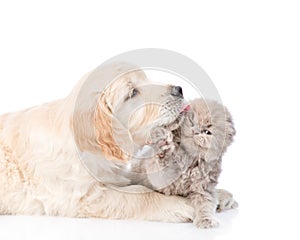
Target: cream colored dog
(40,170)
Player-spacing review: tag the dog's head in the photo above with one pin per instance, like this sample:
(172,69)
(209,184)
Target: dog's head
(126,110)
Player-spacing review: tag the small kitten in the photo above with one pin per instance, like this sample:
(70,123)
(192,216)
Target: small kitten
(187,161)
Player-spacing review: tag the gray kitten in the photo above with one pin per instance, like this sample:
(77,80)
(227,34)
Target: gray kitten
(187,161)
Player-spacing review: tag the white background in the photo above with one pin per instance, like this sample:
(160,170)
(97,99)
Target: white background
(250,49)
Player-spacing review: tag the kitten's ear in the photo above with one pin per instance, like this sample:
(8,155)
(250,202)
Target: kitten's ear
(191,116)
(230,130)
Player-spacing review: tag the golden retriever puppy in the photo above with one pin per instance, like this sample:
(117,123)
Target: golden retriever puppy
(41,170)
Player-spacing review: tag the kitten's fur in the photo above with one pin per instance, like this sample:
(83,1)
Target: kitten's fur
(188,162)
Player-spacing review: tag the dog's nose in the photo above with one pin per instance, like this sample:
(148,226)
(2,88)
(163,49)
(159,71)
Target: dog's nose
(176,91)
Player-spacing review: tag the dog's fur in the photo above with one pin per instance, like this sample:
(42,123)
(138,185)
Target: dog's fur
(41,173)
(188,162)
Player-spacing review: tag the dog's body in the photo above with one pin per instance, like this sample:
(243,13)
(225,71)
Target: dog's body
(40,170)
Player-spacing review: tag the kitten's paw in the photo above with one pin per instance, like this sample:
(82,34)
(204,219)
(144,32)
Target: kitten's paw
(232,204)
(206,222)
(225,201)
(162,139)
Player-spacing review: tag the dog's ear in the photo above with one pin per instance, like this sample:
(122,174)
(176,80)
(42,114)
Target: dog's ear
(93,131)
(103,125)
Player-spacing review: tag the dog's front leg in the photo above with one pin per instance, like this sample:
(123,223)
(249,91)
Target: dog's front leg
(152,206)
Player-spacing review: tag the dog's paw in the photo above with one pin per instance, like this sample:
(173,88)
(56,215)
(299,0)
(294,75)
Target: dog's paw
(206,222)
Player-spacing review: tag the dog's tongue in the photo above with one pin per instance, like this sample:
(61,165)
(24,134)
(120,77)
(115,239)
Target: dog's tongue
(185,108)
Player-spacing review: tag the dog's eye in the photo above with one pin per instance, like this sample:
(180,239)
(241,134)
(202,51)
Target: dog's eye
(206,132)
(133,92)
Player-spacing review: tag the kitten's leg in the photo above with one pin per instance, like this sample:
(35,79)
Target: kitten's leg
(162,141)
(205,207)
(225,200)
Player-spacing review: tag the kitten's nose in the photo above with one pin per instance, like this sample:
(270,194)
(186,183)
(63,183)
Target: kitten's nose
(176,91)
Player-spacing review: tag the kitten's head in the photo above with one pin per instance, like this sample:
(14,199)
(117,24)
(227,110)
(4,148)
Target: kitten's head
(207,129)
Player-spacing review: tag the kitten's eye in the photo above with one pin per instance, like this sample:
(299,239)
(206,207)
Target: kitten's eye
(206,132)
